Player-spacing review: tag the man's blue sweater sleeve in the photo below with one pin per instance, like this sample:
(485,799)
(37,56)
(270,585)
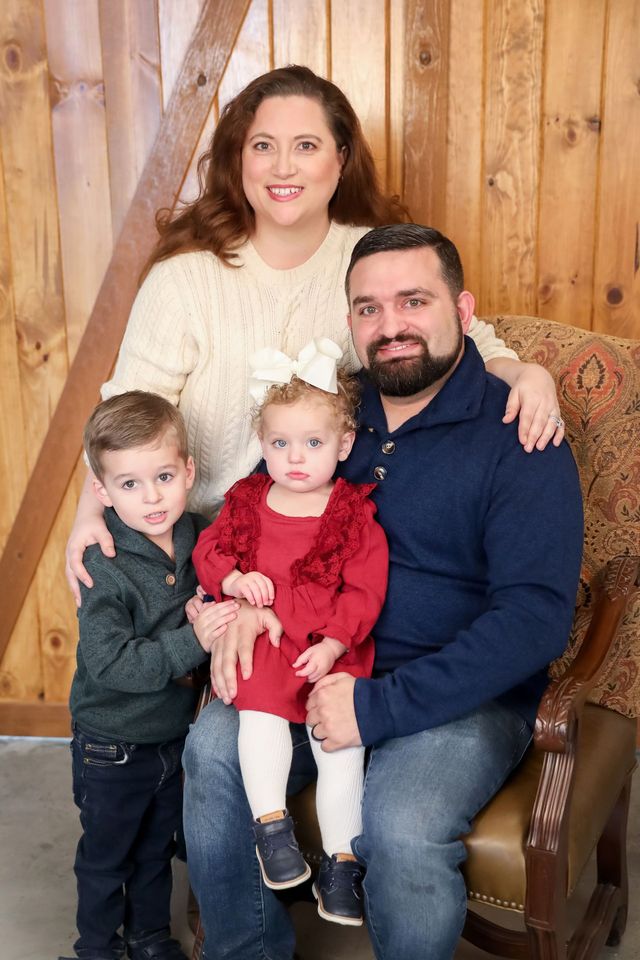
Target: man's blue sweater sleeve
(532,534)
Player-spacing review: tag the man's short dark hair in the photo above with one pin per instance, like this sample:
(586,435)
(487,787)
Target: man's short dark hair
(404,236)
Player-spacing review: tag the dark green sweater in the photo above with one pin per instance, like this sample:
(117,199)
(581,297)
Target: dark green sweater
(134,637)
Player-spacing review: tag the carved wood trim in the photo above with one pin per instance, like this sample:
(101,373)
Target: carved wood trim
(485,935)
(564,698)
(556,733)
(205,60)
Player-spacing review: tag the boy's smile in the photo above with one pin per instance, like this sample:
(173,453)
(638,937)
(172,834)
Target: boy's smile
(147,487)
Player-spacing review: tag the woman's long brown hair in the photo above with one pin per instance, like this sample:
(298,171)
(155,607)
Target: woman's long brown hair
(221,219)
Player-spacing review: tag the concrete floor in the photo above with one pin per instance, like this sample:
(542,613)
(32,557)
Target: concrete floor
(38,833)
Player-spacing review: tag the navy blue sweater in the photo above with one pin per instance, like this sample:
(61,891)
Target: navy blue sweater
(485,545)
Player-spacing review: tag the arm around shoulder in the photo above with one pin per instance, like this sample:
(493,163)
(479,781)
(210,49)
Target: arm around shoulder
(159,349)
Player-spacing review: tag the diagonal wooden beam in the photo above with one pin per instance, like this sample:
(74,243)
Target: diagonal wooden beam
(211,45)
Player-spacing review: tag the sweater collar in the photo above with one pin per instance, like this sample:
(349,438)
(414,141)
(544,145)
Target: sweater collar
(134,542)
(325,257)
(459,399)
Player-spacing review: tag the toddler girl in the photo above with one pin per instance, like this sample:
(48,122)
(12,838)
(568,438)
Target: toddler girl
(310,546)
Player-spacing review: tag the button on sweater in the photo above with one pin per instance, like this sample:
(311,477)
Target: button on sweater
(134,637)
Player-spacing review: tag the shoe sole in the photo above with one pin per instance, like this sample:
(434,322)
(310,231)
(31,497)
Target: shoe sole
(334,917)
(286,884)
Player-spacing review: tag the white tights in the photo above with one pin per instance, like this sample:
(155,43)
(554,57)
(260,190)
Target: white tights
(265,749)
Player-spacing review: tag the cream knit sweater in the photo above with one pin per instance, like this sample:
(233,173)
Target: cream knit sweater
(194,324)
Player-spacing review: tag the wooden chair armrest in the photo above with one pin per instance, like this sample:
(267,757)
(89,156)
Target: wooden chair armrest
(556,735)
(562,701)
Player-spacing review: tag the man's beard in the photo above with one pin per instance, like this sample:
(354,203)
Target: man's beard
(409,376)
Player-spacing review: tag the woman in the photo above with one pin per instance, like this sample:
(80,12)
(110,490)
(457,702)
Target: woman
(259,260)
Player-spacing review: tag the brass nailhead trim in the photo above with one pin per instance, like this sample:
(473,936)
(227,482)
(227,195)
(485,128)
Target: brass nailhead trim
(511,904)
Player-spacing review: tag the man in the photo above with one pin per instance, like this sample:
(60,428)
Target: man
(485,545)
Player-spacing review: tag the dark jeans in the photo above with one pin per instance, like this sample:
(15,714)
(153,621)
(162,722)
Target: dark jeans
(130,801)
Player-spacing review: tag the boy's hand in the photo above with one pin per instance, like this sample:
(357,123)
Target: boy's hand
(316,662)
(211,622)
(252,586)
(193,607)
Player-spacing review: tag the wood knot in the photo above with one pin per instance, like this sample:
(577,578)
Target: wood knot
(571,134)
(12,57)
(55,641)
(544,292)
(594,124)
(491,181)
(202,79)
(614,296)
(425,57)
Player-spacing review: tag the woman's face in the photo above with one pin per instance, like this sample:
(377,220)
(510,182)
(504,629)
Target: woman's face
(290,163)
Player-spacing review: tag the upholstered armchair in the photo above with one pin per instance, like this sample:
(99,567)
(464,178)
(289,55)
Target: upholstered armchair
(570,795)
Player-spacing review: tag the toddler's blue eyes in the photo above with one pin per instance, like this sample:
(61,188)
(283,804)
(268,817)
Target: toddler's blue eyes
(315,443)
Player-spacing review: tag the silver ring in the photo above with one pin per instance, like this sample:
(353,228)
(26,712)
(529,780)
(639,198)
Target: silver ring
(559,422)
(317,739)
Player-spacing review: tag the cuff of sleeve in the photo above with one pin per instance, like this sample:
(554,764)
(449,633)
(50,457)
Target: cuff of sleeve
(373,716)
(185,651)
(337,632)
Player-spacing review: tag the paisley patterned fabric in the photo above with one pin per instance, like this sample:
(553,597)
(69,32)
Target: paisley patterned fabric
(598,382)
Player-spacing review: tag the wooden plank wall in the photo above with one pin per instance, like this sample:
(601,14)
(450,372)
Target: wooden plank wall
(512,126)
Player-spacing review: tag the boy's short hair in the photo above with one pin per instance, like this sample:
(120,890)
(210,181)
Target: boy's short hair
(344,403)
(132,419)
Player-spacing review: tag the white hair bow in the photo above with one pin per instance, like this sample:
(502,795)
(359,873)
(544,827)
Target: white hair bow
(316,364)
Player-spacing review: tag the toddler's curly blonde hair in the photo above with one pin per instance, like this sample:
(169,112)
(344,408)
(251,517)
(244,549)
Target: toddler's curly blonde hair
(344,403)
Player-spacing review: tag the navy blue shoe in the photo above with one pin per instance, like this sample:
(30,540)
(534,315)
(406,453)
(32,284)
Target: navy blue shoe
(279,856)
(167,949)
(338,891)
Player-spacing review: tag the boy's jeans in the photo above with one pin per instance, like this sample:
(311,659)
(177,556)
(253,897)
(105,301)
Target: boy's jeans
(130,801)
(420,794)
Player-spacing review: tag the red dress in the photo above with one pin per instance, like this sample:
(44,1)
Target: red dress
(330,579)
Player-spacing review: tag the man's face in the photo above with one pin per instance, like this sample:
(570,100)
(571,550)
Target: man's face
(406,327)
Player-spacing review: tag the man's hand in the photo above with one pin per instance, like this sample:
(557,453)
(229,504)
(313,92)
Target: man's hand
(236,645)
(330,710)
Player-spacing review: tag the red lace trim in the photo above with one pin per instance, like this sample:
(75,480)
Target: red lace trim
(337,540)
(240,528)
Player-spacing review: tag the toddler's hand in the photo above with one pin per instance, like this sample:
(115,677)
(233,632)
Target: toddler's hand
(211,622)
(253,586)
(316,662)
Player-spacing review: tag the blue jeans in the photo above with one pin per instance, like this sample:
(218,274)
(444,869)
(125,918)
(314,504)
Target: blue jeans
(421,792)
(130,801)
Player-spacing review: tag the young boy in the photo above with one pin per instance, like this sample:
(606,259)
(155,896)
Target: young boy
(129,715)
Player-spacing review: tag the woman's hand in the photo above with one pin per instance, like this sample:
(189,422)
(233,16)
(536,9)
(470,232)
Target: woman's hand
(236,646)
(85,531)
(534,399)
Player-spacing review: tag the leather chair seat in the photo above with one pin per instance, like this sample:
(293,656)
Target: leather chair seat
(495,869)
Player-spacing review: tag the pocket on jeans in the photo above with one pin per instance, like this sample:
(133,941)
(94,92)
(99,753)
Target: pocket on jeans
(103,753)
